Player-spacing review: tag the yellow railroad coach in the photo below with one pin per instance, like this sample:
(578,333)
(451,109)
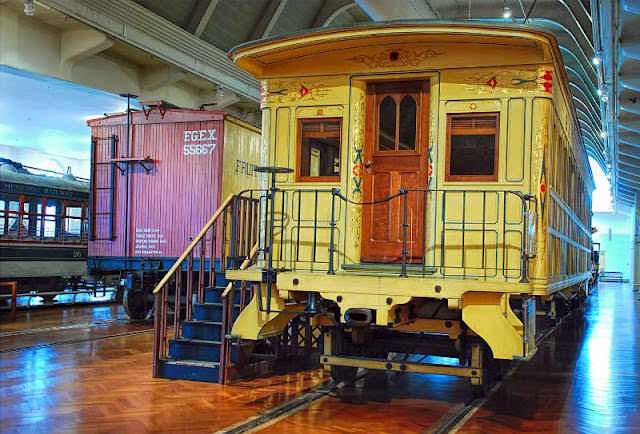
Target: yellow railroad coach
(426,191)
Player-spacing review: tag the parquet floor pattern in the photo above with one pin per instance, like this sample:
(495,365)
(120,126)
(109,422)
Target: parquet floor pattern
(377,404)
(105,386)
(583,379)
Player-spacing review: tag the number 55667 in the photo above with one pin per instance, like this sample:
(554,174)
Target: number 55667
(198,149)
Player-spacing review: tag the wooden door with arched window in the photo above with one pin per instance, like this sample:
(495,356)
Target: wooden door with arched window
(396,156)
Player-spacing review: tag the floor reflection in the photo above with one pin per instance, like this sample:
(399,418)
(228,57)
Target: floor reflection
(583,378)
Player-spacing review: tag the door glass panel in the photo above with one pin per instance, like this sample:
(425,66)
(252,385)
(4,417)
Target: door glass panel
(387,125)
(407,133)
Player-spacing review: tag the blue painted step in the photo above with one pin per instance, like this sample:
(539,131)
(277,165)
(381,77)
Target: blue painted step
(204,330)
(211,311)
(213,294)
(185,369)
(198,349)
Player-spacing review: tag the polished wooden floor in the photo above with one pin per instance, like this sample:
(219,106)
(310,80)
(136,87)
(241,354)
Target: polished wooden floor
(584,379)
(85,369)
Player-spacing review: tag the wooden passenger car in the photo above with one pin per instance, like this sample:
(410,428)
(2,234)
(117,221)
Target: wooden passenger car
(435,171)
(152,192)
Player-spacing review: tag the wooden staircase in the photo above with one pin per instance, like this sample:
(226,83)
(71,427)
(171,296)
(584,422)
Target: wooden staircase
(196,353)
(202,307)
(201,303)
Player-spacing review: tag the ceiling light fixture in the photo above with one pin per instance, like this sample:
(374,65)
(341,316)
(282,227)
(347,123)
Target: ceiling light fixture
(597,58)
(506,13)
(29,8)
(603,134)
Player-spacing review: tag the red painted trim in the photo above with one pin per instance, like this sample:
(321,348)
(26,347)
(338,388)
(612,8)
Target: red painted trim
(171,116)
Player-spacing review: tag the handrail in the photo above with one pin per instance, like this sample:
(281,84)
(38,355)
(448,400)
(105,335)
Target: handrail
(193,244)
(243,266)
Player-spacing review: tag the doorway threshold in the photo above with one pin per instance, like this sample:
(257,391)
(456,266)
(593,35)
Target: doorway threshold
(389,268)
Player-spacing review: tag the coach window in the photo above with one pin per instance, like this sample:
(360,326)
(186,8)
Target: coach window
(73,220)
(472,147)
(319,142)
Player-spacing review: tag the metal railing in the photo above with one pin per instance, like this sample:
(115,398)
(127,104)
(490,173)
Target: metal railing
(297,226)
(208,255)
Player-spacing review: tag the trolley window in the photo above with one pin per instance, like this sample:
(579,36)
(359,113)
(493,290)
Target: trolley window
(472,147)
(9,216)
(319,142)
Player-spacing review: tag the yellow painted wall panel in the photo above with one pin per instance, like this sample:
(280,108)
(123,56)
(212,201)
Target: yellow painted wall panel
(242,153)
(515,144)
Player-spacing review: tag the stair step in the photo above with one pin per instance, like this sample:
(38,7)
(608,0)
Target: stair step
(199,329)
(212,311)
(213,294)
(198,349)
(188,369)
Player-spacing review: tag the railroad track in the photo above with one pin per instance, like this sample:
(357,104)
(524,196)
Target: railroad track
(448,423)
(122,320)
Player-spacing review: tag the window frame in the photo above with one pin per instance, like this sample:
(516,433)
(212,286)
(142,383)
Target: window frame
(309,178)
(472,178)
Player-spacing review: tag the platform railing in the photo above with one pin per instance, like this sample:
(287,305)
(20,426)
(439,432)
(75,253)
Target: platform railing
(209,253)
(316,219)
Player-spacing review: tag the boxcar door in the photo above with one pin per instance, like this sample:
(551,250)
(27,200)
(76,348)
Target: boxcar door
(395,156)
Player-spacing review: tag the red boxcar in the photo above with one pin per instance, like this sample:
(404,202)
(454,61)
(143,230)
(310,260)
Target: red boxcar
(152,192)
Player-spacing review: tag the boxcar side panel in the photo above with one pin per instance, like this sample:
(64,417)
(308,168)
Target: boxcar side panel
(101,244)
(172,202)
(241,156)
(169,204)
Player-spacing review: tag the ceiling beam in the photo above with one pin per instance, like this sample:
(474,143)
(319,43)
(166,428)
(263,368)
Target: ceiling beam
(330,10)
(627,163)
(628,190)
(269,19)
(385,10)
(629,184)
(202,13)
(626,173)
(129,22)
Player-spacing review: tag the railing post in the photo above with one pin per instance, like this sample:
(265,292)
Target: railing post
(523,247)
(212,255)
(332,225)
(223,340)
(164,314)
(233,238)
(269,246)
(202,261)
(404,252)
(156,336)
(189,301)
(177,304)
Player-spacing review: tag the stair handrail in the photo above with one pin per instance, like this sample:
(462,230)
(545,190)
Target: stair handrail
(193,243)
(243,266)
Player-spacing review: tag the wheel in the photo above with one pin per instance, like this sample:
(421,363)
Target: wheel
(135,305)
(343,346)
(343,373)
(490,373)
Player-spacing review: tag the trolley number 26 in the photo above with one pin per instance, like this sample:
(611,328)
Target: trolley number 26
(199,149)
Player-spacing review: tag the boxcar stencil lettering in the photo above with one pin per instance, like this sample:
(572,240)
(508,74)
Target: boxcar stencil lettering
(199,136)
